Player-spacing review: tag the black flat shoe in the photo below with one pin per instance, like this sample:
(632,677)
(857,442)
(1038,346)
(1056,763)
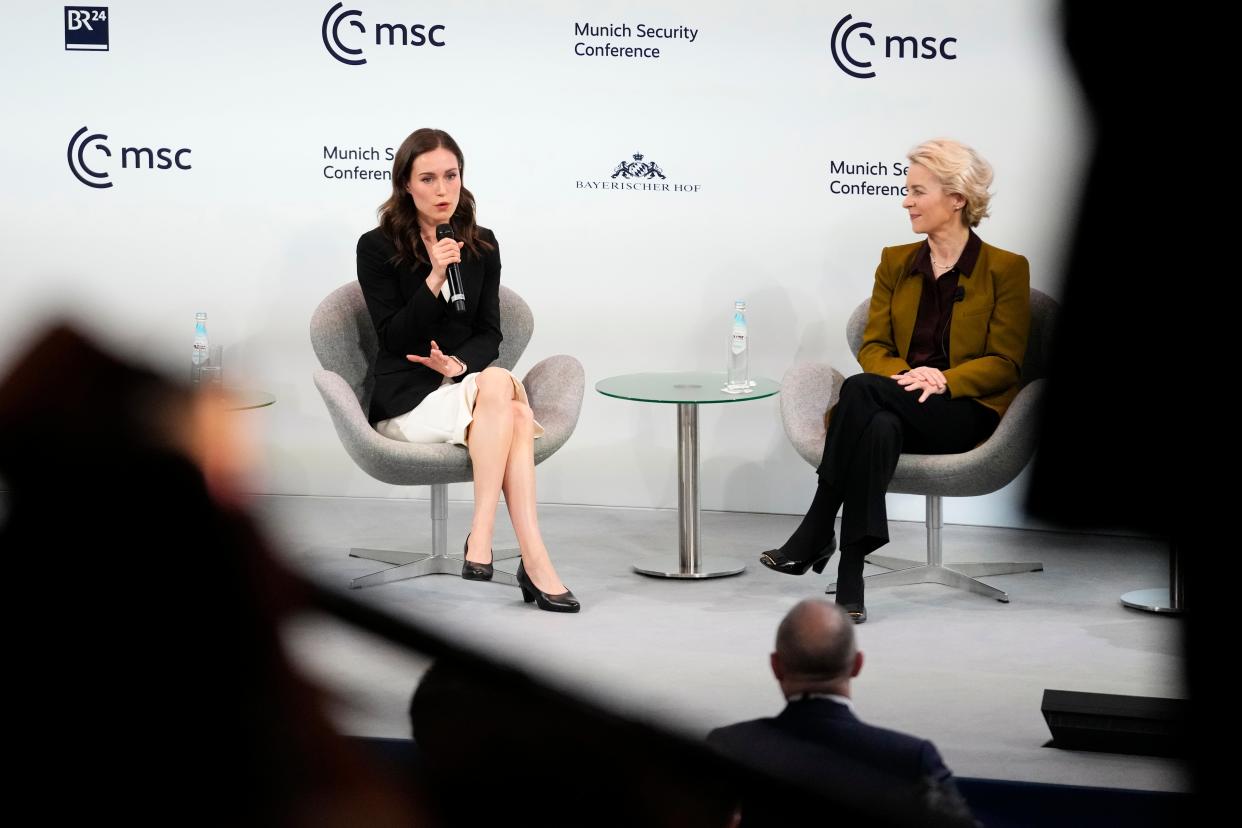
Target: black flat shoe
(856,612)
(774,560)
(562,602)
(472,571)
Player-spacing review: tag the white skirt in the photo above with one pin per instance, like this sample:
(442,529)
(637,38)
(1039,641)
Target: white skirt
(444,415)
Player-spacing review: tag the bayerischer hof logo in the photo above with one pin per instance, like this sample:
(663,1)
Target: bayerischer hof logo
(638,168)
(640,174)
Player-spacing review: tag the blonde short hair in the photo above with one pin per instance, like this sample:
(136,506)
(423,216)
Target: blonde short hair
(960,170)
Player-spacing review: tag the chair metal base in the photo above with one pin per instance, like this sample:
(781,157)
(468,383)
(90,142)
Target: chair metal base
(439,562)
(959,576)
(933,571)
(410,565)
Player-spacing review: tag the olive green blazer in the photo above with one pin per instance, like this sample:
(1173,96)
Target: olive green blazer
(987,339)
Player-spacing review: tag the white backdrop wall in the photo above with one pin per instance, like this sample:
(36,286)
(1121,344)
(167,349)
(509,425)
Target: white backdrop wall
(745,121)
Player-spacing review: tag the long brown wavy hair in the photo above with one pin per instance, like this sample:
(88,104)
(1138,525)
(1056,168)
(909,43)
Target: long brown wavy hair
(398,216)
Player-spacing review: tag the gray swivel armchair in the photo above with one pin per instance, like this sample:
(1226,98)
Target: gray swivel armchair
(345,343)
(809,389)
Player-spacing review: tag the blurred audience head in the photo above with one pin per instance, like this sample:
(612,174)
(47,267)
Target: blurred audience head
(815,650)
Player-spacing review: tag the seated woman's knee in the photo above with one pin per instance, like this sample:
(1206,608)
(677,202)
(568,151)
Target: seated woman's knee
(885,425)
(862,383)
(523,417)
(494,382)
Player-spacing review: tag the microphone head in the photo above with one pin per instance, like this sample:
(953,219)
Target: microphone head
(959,294)
(444,231)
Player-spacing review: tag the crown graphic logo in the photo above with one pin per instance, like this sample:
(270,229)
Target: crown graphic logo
(638,168)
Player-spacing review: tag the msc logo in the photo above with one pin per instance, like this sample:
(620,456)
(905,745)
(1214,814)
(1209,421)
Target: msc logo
(847,56)
(86,28)
(386,34)
(95,173)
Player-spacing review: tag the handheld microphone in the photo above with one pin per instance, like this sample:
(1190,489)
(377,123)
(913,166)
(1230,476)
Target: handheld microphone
(457,292)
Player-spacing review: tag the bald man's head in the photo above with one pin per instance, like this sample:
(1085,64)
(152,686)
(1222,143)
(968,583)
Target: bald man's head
(815,647)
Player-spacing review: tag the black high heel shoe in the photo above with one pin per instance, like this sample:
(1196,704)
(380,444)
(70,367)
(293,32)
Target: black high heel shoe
(561,602)
(856,612)
(472,571)
(850,584)
(774,560)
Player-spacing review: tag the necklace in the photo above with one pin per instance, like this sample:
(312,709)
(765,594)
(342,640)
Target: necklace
(938,266)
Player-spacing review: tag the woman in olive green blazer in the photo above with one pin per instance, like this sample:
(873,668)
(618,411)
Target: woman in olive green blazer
(942,359)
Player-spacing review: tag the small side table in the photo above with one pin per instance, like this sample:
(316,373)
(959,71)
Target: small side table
(687,391)
(244,399)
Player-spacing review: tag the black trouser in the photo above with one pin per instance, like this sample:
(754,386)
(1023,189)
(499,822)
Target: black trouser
(875,420)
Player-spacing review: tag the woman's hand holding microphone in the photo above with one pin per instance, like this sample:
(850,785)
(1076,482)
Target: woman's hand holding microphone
(443,253)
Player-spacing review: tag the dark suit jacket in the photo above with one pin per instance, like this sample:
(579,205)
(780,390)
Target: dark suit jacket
(987,339)
(407,316)
(821,743)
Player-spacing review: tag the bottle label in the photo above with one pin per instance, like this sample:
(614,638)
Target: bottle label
(738,343)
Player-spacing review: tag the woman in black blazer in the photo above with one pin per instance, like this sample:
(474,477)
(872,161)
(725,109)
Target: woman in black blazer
(434,382)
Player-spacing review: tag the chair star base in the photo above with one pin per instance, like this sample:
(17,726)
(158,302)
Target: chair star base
(959,576)
(412,565)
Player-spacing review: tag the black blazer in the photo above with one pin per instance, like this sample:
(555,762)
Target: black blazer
(407,316)
(821,743)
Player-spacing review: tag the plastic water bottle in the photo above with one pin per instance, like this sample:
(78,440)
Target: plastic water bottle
(739,352)
(201,350)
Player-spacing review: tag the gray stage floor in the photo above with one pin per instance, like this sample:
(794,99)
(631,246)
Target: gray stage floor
(963,670)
